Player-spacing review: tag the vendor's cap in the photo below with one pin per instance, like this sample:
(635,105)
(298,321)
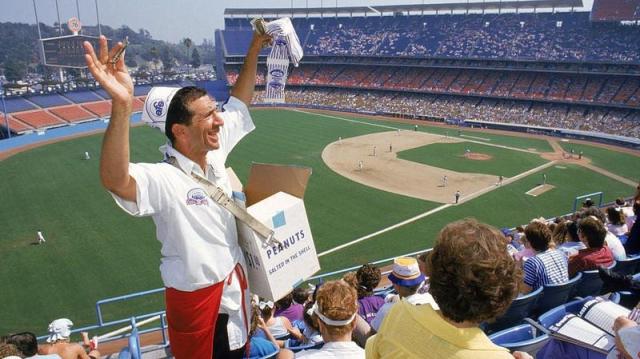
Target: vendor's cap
(156,106)
(588,202)
(406,272)
(59,329)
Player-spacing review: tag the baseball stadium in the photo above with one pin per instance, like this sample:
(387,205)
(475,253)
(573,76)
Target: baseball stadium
(410,117)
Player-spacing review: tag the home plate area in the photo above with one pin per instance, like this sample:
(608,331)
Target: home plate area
(538,190)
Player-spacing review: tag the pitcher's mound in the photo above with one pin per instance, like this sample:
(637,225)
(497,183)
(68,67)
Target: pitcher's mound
(477,156)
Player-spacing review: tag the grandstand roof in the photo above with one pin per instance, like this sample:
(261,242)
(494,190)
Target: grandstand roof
(380,9)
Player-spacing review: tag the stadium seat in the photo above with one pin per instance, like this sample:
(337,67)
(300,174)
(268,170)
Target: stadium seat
(631,265)
(554,315)
(625,299)
(523,337)
(554,295)
(519,309)
(132,351)
(124,353)
(623,238)
(305,347)
(590,285)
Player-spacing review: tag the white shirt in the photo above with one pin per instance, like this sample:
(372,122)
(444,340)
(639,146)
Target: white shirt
(616,246)
(338,350)
(415,299)
(199,238)
(630,217)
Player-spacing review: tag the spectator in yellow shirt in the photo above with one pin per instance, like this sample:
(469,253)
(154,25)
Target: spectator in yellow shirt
(473,279)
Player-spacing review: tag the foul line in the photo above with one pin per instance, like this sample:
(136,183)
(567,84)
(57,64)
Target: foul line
(477,138)
(437,209)
(346,119)
(407,221)
(429,133)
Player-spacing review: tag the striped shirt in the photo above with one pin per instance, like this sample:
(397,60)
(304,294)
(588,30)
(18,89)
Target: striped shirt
(549,267)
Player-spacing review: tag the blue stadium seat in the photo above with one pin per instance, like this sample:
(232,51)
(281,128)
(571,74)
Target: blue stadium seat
(50,100)
(590,285)
(18,104)
(554,295)
(305,347)
(523,337)
(124,353)
(628,266)
(519,309)
(82,96)
(132,351)
(626,299)
(554,315)
(141,90)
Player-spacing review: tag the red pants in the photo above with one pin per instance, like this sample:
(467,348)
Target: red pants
(191,319)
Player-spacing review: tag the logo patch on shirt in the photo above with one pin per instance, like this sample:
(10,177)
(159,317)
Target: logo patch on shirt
(198,197)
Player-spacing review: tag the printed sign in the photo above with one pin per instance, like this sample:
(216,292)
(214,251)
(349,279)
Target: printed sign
(275,269)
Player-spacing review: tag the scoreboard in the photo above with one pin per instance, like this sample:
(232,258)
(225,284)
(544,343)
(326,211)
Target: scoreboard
(67,51)
(615,10)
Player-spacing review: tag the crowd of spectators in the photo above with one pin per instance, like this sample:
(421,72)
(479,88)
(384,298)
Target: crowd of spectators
(559,87)
(614,121)
(58,344)
(541,36)
(438,304)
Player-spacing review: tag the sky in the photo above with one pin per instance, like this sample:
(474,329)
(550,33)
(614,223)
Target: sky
(168,20)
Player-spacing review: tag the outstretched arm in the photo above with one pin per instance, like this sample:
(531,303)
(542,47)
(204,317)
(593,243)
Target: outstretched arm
(246,82)
(115,79)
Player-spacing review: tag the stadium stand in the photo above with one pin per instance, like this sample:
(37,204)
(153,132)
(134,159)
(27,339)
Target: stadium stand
(100,109)
(17,104)
(39,119)
(612,10)
(588,89)
(141,90)
(72,113)
(624,122)
(138,104)
(15,125)
(102,93)
(490,36)
(50,100)
(82,96)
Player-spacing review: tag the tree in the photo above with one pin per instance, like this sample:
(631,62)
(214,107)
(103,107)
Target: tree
(154,56)
(187,43)
(195,58)
(131,62)
(167,58)
(15,70)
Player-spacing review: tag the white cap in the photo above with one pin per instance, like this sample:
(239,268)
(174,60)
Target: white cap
(59,329)
(156,106)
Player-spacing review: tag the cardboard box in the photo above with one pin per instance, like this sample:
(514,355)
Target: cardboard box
(274,196)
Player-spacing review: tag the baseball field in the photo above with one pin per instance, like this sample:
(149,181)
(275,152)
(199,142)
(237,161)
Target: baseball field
(377,190)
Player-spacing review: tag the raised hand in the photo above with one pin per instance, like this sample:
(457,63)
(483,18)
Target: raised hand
(114,78)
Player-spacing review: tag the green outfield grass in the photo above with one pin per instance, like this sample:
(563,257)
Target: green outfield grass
(94,250)
(451,156)
(507,206)
(621,163)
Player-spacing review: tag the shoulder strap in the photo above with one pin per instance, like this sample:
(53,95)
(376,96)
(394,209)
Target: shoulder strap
(217,194)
